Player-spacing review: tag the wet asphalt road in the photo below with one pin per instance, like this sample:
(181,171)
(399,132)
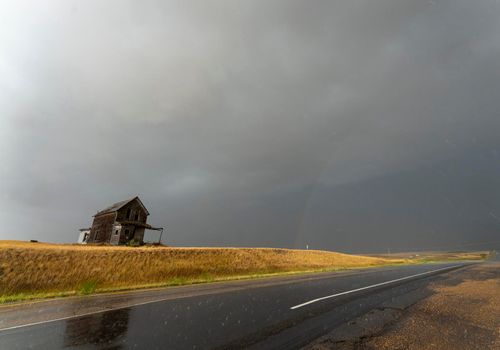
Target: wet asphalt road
(259,317)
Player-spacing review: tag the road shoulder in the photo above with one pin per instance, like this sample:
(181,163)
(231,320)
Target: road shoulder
(460,311)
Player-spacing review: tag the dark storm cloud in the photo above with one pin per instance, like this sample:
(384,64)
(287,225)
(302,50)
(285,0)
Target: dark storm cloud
(338,124)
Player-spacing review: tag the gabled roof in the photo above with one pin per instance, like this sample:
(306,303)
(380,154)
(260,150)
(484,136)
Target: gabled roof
(117,206)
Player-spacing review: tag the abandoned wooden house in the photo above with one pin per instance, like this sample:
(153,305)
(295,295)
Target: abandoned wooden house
(119,223)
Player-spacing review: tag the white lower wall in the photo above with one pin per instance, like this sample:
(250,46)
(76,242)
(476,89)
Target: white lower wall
(83,236)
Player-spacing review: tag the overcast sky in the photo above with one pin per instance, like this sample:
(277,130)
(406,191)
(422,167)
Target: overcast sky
(346,125)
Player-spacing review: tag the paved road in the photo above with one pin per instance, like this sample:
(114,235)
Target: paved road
(282,313)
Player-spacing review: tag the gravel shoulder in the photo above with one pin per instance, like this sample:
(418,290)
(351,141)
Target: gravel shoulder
(460,311)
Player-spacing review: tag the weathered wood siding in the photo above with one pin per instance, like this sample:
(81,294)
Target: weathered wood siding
(103,226)
(139,233)
(137,212)
(127,233)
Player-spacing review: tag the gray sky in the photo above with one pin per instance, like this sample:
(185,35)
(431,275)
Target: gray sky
(345,125)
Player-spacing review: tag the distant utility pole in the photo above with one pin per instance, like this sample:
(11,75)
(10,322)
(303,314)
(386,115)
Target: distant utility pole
(307,246)
(388,251)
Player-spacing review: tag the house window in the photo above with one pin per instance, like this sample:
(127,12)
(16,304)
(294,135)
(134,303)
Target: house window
(127,233)
(96,235)
(116,232)
(136,217)
(129,211)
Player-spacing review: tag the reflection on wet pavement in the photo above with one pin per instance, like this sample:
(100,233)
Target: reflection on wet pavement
(103,328)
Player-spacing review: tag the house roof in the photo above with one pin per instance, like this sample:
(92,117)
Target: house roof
(118,205)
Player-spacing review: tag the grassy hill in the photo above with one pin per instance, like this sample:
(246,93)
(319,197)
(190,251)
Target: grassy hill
(30,270)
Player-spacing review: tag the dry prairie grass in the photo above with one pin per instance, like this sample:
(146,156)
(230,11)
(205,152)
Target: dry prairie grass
(436,256)
(37,268)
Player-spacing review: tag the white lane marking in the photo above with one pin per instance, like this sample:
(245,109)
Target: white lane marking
(180,297)
(208,292)
(203,293)
(81,315)
(372,286)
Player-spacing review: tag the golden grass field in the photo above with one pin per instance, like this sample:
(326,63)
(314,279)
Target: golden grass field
(42,269)
(435,256)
